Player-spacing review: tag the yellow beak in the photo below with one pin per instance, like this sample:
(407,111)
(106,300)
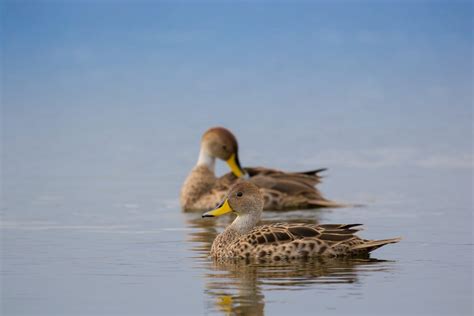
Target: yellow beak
(222,209)
(234,165)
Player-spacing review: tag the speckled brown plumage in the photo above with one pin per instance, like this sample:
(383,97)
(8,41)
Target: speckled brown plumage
(280,241)
(293,241)
(201,190)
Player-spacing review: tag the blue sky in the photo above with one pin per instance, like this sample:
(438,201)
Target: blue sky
(364,80)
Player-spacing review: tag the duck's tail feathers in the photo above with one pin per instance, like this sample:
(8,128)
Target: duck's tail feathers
(371,245)
(313,172)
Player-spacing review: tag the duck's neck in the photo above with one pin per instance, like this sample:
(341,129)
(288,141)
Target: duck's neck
(244,223)
(206,160)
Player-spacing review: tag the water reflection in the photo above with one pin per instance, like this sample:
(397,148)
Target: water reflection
(238,288)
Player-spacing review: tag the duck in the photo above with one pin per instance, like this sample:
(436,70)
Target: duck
(202,190)
(243,239)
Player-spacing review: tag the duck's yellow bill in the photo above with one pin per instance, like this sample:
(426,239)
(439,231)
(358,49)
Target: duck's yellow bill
(234,165)
(222,209)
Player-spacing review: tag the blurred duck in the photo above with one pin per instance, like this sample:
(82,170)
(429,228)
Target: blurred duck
(202,190)
(242,239)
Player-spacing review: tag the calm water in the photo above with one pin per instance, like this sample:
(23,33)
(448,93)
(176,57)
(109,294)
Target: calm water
(85,242)
(103,106)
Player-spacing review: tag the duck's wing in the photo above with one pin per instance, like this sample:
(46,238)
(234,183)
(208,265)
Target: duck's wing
(310,178)
(288,232)
(285,240)
(285,185)
(279,180)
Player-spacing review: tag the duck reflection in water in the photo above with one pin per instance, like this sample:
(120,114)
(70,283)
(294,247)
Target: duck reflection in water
(237,288)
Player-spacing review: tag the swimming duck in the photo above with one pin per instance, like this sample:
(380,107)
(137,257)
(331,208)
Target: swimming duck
(202,190)
(243,239)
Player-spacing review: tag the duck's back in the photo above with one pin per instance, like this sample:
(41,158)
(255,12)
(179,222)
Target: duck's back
(292,241)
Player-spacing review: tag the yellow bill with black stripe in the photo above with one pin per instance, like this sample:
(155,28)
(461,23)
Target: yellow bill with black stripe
(221,209)
(234,165)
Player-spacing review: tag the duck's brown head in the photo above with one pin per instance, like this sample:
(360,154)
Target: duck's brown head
(220,143)
(243,198)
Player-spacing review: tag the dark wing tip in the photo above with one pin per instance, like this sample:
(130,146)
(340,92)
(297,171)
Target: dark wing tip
(313,172)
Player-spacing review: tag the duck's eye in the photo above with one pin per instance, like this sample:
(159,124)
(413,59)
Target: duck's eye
(239,194)
(224,147)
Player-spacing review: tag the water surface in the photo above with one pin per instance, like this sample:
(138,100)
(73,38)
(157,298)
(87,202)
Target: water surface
(80,244)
